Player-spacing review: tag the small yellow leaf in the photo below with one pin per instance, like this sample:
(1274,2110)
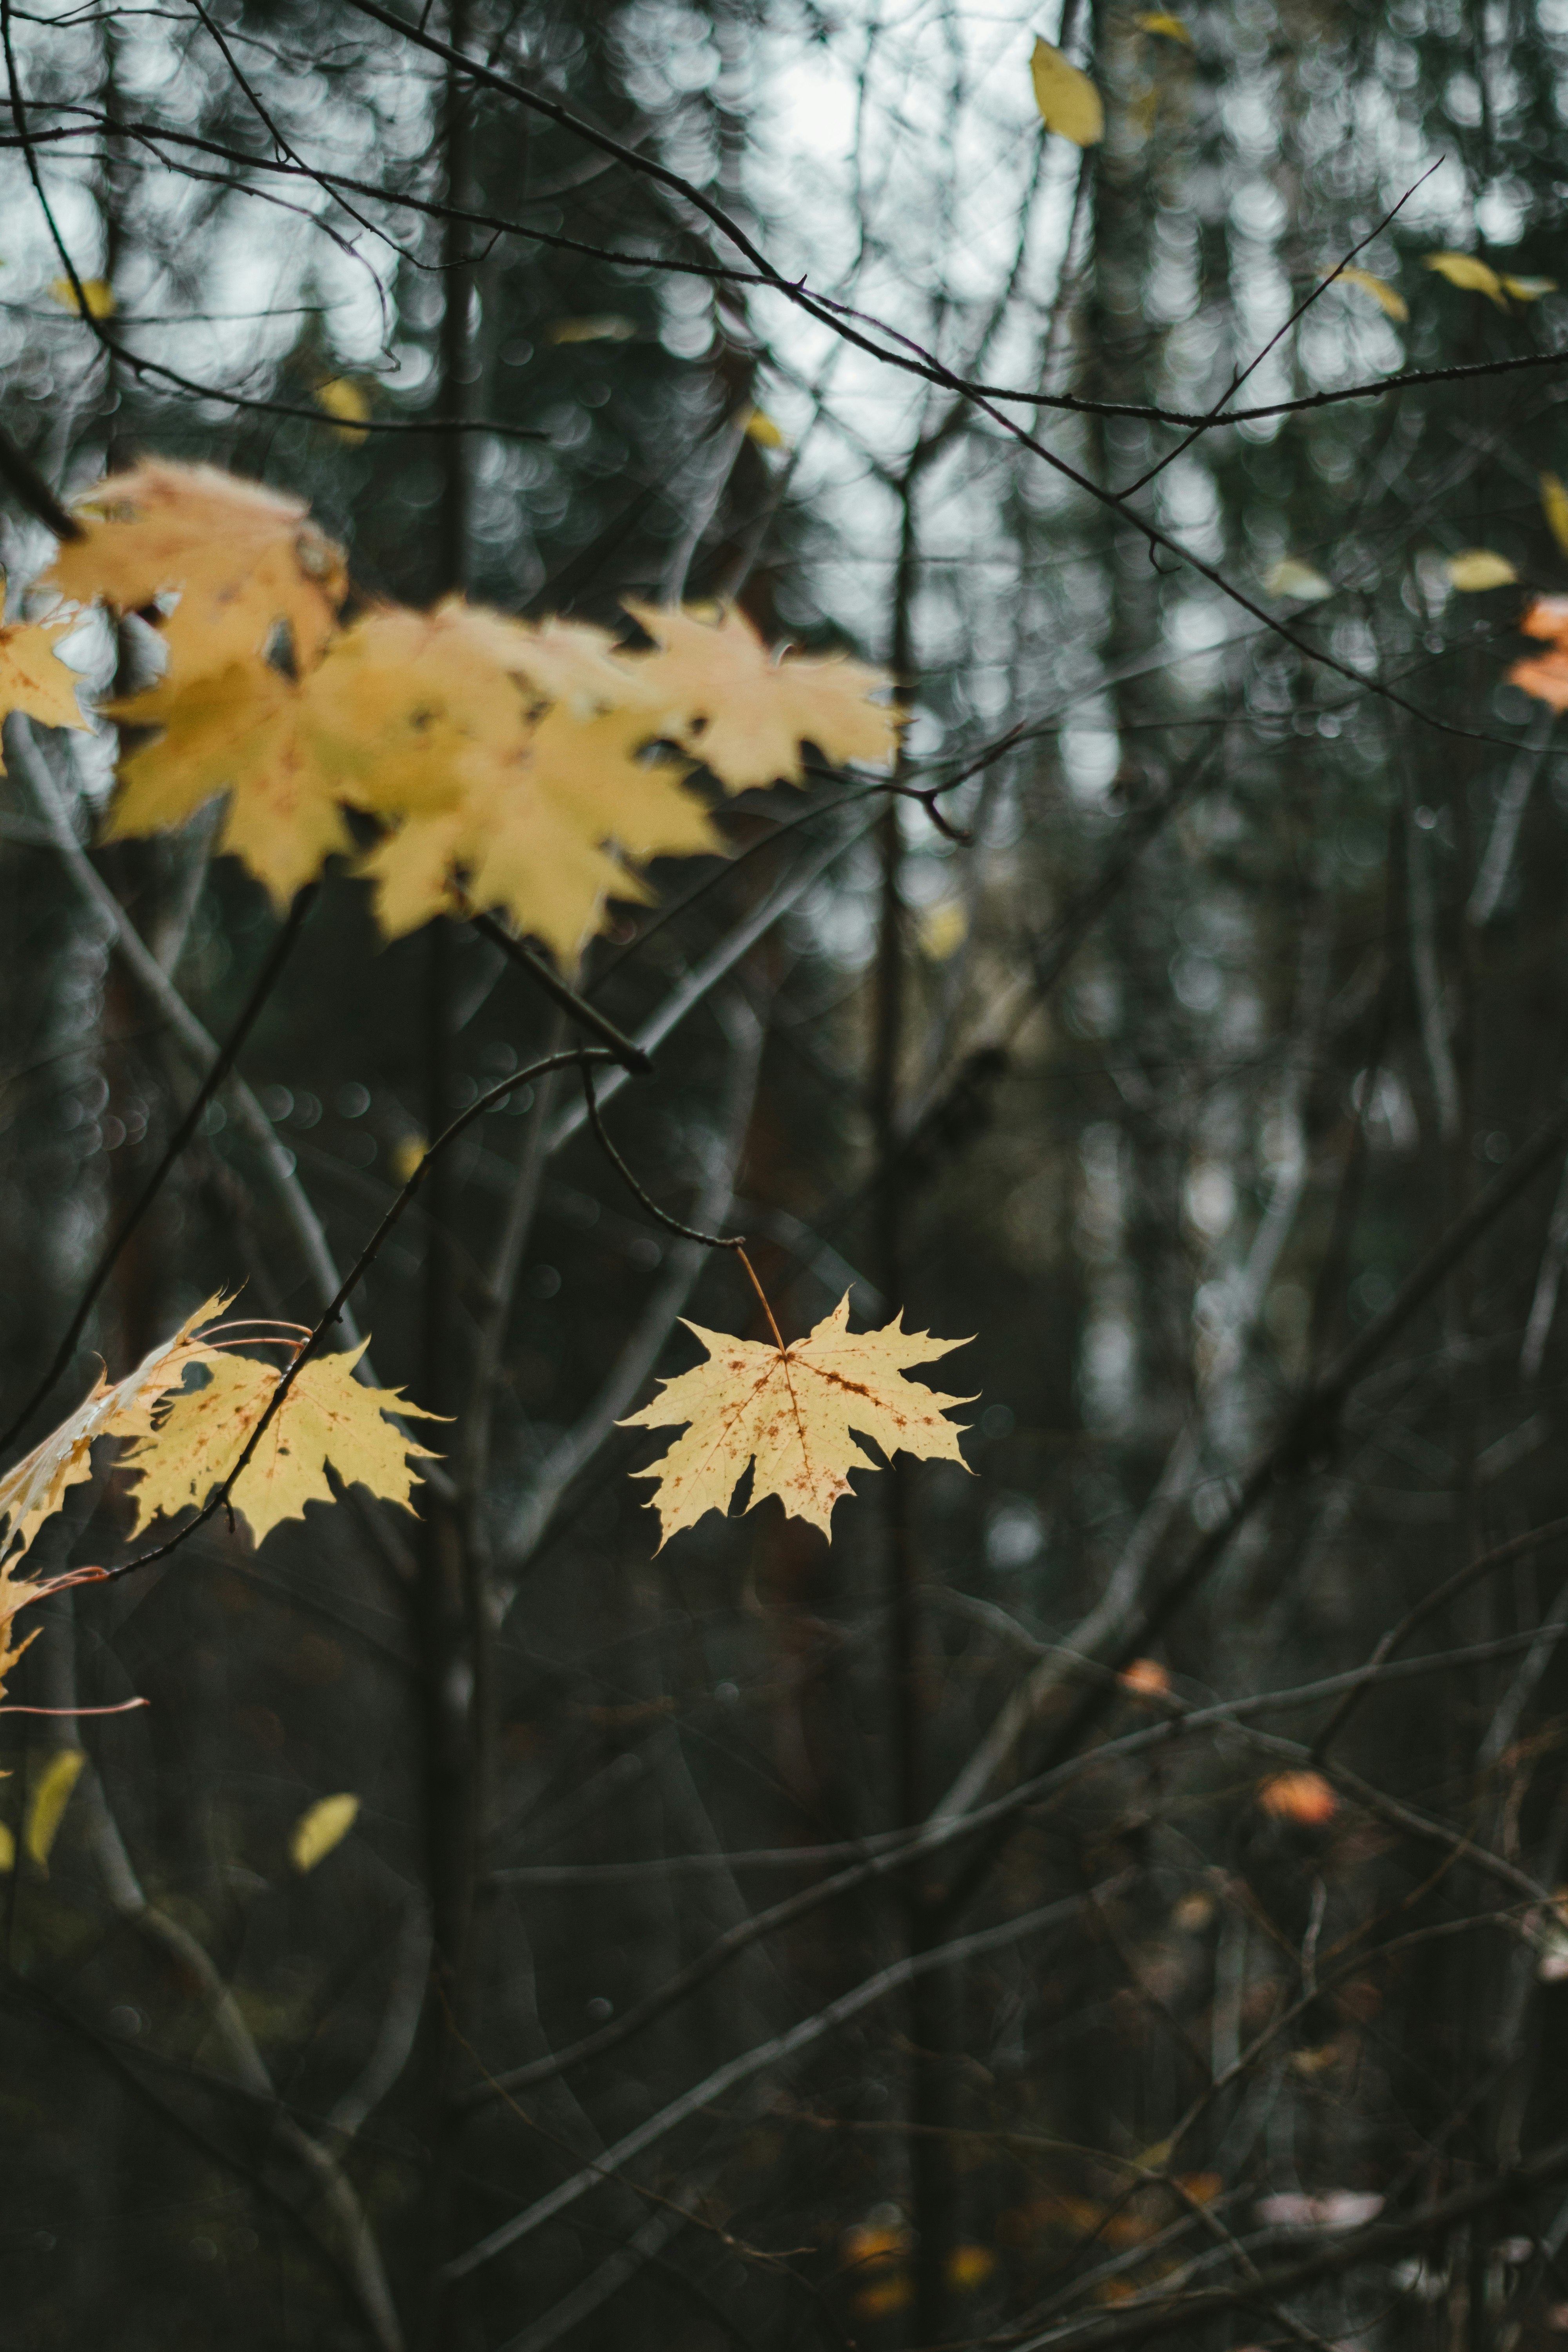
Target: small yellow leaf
(1379,288)
(760,427)
(1291,577)
(34,680)
(606,327)
(942,929)
(1472,277)
(969,2267)
(1554,506)
(46,1803)
(348,402)
(98,293)
(1478,568)
(1067,99)
(320,1828)
(790,1412)
(1159,20)
(7,1848)
(407,1156)
(1530,289)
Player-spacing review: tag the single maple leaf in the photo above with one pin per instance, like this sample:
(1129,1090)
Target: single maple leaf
(327,1415)
(35,1487)
(244,561)
(249,732)
(791,1411)
(745,714)
(34,680)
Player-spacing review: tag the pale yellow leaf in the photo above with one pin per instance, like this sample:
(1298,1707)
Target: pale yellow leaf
(406,1156)
(760,427)
(1379,288)
(1554,506)
(249,732)
(1159,20)
(97,297)
(942,929)
(1478,568)
(1472,277)
(1530,289)
(326,1416)
(348,402)
(7,1848)
(34,680)
(791,1414)
(245,562)
(1067,99)
(745,714)
(1291,577)
(604,327)
(46,1801)
(320,1828)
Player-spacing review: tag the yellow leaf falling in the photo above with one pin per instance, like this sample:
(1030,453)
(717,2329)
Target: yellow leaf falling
(791,1413)
(349,402)
(760,427)
(1291,577)
(1067,99)
(1381,292)
(327,1415)
(1478,568)
(46,1802)
(245,562)
(1554,506)
(320,1828)
(1472,277)
(34,680)
(1159,20)
(606,327)
(97,297)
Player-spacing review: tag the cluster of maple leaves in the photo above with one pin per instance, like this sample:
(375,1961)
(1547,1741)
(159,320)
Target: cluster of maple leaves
(524,768)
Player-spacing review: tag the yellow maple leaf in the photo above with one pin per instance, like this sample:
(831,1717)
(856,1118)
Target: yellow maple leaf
(320,1828)
(1380,289)
(34,680)
(745,714)
(508,760)
(348,402)
(1067,99)
(1471,276)
(1554,506)
(250,732)
(791,1413)
(244,561)
(327,1415)
(97,297)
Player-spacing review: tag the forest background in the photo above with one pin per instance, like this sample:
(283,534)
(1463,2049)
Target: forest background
(1027,1918)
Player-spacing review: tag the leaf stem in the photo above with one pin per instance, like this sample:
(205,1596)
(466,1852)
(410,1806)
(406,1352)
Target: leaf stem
(630,1056)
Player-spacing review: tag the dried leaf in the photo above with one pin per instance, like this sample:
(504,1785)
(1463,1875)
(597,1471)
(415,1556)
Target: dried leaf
(1554,506)
(249,732)
(605,326)
(1472,277)
(34,680)
(1379,288)
(1159,20)
(745,714)
(1291,577)
(320,1828)
(244,561)
(791,1413)
(1479,569)
(328,1416)
(97,297)
(348,402)
(46,1803)
(1067,99)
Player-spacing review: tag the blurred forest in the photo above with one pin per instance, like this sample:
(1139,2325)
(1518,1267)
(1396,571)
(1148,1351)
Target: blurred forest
(1110,1898)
